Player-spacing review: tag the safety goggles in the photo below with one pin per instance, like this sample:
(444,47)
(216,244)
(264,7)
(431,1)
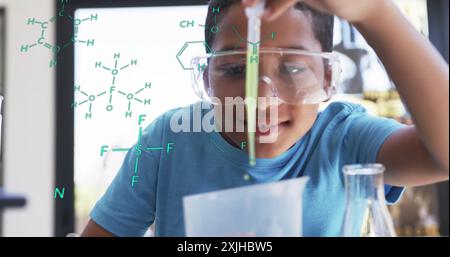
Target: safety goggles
(293,76)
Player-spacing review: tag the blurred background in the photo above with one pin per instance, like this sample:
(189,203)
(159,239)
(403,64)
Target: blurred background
(60,59)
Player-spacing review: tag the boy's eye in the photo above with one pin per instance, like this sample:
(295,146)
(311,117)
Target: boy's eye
(234,70)
(291,68)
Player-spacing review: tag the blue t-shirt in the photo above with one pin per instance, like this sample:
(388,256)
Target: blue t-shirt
(202,162)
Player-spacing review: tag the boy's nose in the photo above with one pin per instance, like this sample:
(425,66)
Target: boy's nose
(266,87)
(267,93)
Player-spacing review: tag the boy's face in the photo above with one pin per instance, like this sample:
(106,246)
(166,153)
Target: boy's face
(293,30)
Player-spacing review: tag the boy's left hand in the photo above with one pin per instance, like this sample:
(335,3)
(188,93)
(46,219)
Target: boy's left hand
(352,10)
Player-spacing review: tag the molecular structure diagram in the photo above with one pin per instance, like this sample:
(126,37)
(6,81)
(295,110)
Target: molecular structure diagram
(139,149)
(191,23)
(215,29)
(130,97)
(44,25)
(254,45)
(115,71)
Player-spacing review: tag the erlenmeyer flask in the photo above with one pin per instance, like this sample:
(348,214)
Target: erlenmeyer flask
(366,213)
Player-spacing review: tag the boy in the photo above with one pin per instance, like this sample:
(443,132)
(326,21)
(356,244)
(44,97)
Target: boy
(309,143)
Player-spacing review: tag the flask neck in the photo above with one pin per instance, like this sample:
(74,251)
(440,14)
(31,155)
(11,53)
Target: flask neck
(364,186)
(366,213)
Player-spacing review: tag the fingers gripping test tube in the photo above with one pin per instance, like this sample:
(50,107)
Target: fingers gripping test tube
(252,72)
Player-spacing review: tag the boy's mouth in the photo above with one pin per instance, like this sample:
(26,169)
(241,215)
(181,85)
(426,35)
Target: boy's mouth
(267,129)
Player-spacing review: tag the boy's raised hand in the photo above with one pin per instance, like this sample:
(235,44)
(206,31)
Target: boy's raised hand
(352,10)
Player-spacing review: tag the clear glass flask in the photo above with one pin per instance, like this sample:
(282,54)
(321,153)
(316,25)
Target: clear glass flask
(366,213)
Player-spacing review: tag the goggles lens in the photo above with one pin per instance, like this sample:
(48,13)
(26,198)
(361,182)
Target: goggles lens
(294,76)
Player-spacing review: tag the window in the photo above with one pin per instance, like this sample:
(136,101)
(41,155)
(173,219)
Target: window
(148,40)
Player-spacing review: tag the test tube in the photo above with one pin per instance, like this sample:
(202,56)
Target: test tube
(252,72)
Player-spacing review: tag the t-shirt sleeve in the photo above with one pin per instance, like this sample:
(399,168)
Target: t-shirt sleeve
(128,206)
(364,138)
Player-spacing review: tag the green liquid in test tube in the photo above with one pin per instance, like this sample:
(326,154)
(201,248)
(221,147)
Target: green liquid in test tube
(252,73)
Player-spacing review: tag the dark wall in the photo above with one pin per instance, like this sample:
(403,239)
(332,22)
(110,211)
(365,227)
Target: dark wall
(438,28)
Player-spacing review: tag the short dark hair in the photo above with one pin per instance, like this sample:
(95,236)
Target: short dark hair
(322,23)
